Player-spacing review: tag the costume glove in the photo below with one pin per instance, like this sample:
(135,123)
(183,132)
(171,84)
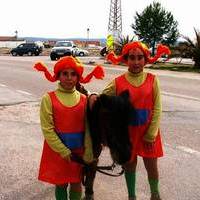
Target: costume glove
(88,153)
(67,155)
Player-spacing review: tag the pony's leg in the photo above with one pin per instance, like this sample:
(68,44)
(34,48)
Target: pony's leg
(90,174)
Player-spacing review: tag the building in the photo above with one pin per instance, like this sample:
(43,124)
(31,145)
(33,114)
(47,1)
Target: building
(10,41)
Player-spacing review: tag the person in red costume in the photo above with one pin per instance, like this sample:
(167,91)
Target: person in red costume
(64,126)
(145,97)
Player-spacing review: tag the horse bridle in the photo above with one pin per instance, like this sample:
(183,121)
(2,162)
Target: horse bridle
(100,169)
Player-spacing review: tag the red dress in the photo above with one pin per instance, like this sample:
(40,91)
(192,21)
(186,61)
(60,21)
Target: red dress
(69,125)
(142,100)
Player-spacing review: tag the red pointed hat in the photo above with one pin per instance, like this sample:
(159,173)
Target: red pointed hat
(161,50)
(69,62)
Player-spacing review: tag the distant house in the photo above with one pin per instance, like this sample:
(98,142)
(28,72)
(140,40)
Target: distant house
(77,42)
(83,43)
(10,41)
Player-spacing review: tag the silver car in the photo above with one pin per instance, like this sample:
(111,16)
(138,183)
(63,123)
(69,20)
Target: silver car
(81,52)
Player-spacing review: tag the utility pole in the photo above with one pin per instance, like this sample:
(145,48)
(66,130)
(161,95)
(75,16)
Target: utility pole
(115,19)
(114,27)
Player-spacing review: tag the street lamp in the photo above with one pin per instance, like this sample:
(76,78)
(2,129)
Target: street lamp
(16,34)
(88,31)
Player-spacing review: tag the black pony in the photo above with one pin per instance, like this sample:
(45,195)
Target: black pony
(108,122)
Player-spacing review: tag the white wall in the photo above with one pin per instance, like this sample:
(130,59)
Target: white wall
(10,44)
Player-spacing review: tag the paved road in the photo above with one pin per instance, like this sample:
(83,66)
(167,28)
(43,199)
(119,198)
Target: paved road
(21,140)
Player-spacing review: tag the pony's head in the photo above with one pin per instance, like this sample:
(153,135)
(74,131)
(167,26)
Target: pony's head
(108,121)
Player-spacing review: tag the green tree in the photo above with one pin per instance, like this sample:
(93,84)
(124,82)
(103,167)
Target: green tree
(194,48)
(155,25)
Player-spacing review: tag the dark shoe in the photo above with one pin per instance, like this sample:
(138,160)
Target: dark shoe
(88,197)
(155,197)
(132,198)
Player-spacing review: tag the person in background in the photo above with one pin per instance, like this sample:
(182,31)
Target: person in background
(64,126)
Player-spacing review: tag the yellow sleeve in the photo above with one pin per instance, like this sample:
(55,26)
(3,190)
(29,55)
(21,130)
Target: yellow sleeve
(110,89)
(88,153)
(48,129)
(157,110)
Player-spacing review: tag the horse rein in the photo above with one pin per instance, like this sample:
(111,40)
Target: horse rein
(110,167)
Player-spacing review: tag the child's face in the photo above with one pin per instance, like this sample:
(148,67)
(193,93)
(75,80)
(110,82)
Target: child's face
(136,60)
(68,78)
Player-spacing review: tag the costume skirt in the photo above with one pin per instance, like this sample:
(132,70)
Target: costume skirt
(56,170)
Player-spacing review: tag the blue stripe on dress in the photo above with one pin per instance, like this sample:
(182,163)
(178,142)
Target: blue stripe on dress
(139,117)
(72,140)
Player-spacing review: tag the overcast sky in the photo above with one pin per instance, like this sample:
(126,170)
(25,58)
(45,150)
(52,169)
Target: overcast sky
(71,18)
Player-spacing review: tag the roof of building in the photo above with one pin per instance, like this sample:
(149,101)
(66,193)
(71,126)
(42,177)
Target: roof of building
(9,38)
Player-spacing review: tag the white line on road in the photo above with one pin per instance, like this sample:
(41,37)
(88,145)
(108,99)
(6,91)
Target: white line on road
(188,150)
(185,149)
(197,131)
(20,91)
(180,75)
(23,92)
(180,96)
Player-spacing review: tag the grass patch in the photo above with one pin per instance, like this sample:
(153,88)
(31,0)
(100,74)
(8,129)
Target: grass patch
(175,67)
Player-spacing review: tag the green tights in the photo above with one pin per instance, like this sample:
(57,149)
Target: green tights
(154,186)
(130,182)
(61,193)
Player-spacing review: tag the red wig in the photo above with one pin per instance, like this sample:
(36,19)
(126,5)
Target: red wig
(161,50)
(66,63)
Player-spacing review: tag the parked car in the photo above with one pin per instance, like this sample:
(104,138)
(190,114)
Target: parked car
(62,48)
(81,52)
(27,48)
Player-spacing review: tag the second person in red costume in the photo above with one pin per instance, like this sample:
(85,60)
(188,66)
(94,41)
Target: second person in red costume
(145,97)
